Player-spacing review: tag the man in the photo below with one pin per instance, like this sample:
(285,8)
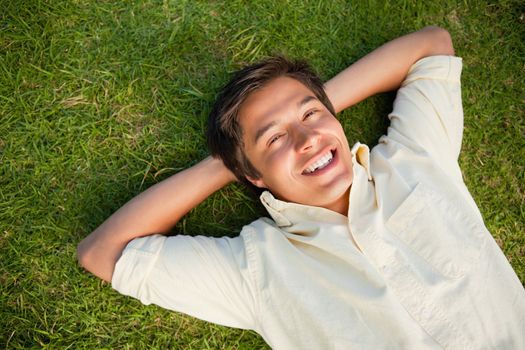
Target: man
(371,250)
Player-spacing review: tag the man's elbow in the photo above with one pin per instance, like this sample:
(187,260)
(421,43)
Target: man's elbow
(82,255)
(87,259)
(445,42)
(440,42)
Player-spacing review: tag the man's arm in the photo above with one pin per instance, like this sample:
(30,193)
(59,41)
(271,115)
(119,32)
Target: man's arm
(385,68)
(156,210)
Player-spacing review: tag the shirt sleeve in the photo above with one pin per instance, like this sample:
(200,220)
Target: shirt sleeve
(204,277)
(428,116)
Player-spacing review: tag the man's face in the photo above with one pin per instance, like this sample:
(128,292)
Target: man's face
(297,145)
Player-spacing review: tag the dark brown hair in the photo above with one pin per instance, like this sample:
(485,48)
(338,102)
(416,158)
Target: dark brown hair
(224,133)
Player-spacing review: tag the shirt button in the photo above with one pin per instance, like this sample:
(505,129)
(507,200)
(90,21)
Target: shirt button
(426,313)
(387,270)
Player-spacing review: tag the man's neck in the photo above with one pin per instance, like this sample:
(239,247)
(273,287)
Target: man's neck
(342,204)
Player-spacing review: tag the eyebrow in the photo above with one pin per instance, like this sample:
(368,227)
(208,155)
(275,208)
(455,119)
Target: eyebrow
(261,131)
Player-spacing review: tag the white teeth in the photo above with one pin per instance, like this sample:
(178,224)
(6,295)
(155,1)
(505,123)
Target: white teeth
(321,163)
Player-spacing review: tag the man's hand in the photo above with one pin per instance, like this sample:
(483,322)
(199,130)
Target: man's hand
(156,210)
(385,68)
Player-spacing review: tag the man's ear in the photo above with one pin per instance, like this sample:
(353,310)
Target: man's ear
(257,182)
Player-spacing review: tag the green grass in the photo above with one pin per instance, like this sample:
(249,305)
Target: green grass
(101,99)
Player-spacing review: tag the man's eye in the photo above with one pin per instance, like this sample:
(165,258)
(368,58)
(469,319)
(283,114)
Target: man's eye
(273,139)
(309,114)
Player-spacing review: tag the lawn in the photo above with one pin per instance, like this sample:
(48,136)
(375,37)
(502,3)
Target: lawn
(101,99)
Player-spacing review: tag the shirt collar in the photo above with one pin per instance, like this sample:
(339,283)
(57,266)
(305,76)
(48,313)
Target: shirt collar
(288,213)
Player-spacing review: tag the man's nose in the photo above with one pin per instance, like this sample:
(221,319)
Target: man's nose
(305,139)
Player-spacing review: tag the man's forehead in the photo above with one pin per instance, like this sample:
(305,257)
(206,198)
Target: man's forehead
(274,100)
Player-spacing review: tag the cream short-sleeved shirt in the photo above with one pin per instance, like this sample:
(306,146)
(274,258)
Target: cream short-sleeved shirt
(411,267)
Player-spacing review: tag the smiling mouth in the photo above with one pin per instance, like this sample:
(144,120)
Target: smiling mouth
(320,164)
